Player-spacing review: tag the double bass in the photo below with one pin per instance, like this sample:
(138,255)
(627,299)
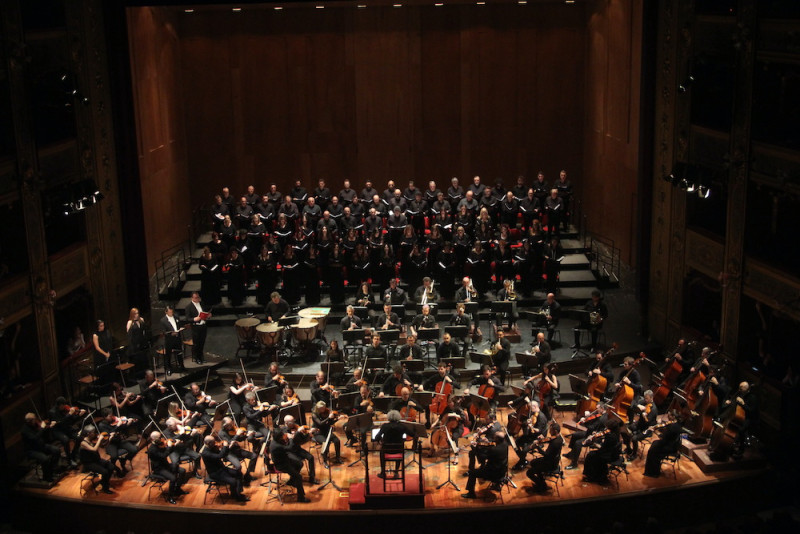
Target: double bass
(724,437)
(623,398)
(596,387)
(669,377)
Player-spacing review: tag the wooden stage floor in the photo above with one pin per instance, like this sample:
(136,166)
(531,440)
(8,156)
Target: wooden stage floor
(129,491)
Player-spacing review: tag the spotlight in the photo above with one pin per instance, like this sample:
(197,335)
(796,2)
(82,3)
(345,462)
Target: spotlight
(683,87)
(690,187)
(703,191)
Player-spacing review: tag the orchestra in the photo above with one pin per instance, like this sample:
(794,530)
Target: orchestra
(228,440)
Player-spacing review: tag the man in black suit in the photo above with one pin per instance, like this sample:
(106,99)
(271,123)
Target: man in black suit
(495,467)
(218,471)
(549,459)
(279,451)
(199,328)
(173,347)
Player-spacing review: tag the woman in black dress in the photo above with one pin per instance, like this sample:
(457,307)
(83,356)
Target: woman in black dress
(291,275)
(235,267)
(265,274)
(335,278)
(210,278)
(311,277)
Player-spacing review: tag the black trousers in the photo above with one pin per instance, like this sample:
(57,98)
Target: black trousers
(229,476)
(104,468)
(199,333)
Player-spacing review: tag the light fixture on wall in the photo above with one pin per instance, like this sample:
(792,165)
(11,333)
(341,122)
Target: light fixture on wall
(686,84)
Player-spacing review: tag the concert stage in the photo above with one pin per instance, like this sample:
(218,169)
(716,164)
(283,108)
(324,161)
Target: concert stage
(577,503)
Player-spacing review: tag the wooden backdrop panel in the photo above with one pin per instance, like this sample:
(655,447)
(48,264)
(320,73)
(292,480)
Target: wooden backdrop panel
(158,97)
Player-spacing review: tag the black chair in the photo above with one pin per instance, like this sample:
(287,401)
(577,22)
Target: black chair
(156,482)
(616,468)
(89,476)
(672,460)
(213,485)
(553,477)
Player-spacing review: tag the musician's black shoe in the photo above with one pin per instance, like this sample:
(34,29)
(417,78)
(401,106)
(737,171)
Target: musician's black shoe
(303,499)
(107,491)
(169,372)
(171,500)
(519,466)
(465,474)
(570,467)
(181,492)
(469,495)
(576,347)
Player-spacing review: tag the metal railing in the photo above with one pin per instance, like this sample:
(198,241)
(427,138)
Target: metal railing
(170,268)
(605,257)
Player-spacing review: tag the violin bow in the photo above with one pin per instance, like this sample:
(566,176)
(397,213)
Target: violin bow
(179,398)
(208,373)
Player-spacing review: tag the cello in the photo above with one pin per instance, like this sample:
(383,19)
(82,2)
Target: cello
(487,391)
(623,398)
(515,420)
(596,387)
(443,391)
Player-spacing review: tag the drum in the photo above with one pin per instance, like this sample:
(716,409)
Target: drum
(320,314)
(246,328)
(269,334)
(305,330)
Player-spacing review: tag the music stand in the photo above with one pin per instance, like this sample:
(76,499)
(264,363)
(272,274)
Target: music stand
(400,310)
(293,410)
(431,337)
(375,364)
(331,368)
(220,410)
(389,337)
(526,360)
(269,393)
(470,308)
(481,402)
(352,339)
(451,452)
(381,404)
(578,385)
(362,312)
(417,431)
(344,401)
(413,366)
(501,306)
(423,398)
(457,363)
(327,464)
(583,324)
(162,406)
(358,424)
(457,332)
(536,318)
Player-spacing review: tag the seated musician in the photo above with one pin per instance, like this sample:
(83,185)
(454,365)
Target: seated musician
(276,307)
(391,435)
(198,401)
(486,378)
(447,349)
(213,454)
(321,390)
(36,438)
(375,349)
(598,313)
(423,320)
(151,391)
(91,459)
(280,453)
(494,467)
(394,295)
(502,355)
(323,420)
(507,294)
(236,392)
(552,311)
(361,404)
(289,398)
(667,444)
(461,318)
(185,439)
(408,408)
(234,437)
(548,381)
(65,420)
(633,378)
(644,416)
(533,427)
(746,398)
(394,383)
(299,436)
(351,321)
(388,320)
(274,379)
(549,459)
(455,418)
(541,349)
(254,414)
(411,351)
(601,366)
(426,293)
(159,454)
(684,355)
(355,382)
(118,443)
(593,422)
(595,466)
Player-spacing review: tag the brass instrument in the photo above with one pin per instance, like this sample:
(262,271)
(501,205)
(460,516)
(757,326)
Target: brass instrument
(473,293)
(511,294)
(595,318)
(428,294)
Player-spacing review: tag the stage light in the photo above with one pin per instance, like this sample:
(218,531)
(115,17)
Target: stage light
(397,5)
(320,7)
(683,87)
(481,3)
(236,9)
(278,8)
(188,10)
(522,2)
(439,4)
(361,6)
(703,191)
(690,187)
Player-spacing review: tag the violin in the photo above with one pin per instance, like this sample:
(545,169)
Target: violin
(594,436)
(280,379)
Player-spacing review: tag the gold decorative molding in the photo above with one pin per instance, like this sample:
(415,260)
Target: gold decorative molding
(704,254)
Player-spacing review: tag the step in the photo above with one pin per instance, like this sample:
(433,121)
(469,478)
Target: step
(573,262)
(576,279)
